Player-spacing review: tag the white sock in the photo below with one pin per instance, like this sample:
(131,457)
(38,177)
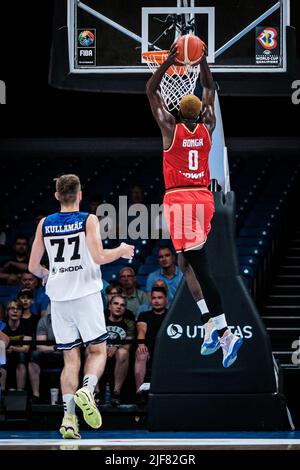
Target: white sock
(69,403)
(202,306)
(90,381)
(220,321)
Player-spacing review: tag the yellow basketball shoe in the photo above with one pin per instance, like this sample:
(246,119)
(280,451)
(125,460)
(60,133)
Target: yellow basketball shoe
(85,400)
(69,427)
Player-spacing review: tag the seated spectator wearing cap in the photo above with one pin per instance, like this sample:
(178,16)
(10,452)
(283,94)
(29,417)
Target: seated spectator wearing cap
(40,298)
(112,290)
(11,269)
(17,355)
(135,297)
(45,356)
(25,296)
(118,329)
(168,272)
(148,325)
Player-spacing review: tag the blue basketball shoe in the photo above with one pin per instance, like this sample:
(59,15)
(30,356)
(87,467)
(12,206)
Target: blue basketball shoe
(211,341)
(230,345)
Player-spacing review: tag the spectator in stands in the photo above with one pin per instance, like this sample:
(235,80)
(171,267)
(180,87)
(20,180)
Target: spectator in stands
(148,325)
(25,296)
(168,272)
(135,297)
(118,329)
(14,267)
(157,283)
(112,290)
(45,356)
(17,329)
(40,298)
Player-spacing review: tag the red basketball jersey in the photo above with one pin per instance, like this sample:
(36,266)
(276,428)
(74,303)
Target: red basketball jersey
(186,161)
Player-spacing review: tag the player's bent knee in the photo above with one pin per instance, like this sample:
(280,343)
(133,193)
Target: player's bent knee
(98,348)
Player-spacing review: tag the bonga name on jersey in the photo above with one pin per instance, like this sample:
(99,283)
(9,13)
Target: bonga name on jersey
(64,228)
(192,143)
(70,269)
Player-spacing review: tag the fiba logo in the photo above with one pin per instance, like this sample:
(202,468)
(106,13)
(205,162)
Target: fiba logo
(174,331)
(86,38)
(267,38)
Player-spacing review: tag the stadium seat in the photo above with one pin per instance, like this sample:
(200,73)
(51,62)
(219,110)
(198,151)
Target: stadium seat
(141,280)
(151,259)
(148,268)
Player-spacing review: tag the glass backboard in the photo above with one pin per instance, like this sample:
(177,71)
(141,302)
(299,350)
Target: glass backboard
(109,36)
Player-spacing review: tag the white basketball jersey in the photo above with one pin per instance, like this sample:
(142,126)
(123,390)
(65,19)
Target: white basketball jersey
(72,271)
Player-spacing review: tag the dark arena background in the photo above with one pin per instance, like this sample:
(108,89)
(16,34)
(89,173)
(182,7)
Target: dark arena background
(66,114)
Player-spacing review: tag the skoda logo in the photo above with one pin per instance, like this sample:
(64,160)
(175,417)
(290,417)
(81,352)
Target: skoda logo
(174,331)
(54,270)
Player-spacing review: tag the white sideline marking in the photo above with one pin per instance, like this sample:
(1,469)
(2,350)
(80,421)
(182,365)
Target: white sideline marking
(148,442)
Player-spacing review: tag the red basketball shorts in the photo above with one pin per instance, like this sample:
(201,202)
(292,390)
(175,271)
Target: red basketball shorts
(188,212)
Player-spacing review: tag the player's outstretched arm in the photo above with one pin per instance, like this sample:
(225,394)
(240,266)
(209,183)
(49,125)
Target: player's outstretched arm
(164,119)
(36,255)
(94,243)
(208,95)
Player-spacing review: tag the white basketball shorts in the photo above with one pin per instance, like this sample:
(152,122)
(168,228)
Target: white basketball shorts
(78,321)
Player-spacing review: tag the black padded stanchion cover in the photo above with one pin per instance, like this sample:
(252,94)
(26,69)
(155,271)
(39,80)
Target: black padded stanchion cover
(189,391)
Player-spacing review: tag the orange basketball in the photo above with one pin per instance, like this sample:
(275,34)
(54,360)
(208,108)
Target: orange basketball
(190,49)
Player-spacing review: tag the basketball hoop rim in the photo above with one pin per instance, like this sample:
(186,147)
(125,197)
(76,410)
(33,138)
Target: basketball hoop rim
(158,56)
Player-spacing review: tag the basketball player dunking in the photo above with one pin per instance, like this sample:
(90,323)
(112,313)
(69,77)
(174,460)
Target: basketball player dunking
(186,174)
(73,283)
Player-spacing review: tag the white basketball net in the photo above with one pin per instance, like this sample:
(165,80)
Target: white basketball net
(177,82)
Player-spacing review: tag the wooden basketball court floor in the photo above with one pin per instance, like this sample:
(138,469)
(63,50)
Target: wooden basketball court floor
(146,440)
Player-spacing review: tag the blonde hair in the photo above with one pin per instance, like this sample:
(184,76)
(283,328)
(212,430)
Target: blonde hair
(190,107)
(67,187)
